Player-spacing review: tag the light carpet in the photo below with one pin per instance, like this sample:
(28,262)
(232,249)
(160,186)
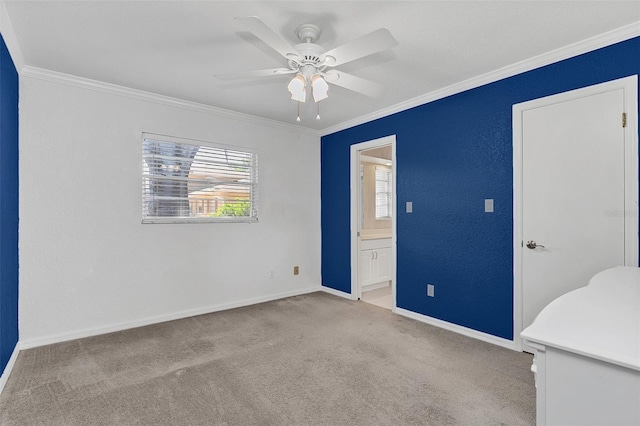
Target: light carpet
(315,359)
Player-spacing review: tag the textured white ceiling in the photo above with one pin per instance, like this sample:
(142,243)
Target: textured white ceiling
(175,48)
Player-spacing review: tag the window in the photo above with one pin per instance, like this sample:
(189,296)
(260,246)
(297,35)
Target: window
(383,193)
(184,181)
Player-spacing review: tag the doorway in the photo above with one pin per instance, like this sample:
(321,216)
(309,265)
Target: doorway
(575,192)
(373,222)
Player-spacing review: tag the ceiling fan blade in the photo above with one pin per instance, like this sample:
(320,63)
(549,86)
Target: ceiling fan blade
(254,25)
(366,45)
(255,74)
(351,82)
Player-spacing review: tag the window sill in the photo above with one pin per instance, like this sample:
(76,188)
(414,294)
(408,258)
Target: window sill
(174,220)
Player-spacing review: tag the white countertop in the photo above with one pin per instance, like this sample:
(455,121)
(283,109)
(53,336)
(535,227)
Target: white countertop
(375,234)
(601,320)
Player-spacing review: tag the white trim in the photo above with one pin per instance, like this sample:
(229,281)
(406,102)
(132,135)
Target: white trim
(335,292)
(632,173)
(469,332)
(196,220)
(354,216)
(374,160)
(354,189)
(630,88)
(114,89)
(95,331)
(9,367)
(10,39)
(602,40)
(615,36)
(516,121)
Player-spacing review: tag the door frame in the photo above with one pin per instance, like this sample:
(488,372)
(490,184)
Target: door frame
(354,180)
(630,90)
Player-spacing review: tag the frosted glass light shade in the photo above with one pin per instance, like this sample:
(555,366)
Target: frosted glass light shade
(298,88)
(319,88)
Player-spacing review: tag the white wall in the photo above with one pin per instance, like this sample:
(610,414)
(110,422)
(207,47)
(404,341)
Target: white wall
(88,265)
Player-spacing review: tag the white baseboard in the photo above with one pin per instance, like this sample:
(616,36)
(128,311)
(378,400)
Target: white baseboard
(95,331)
(457,329)
(469,332)
(336,292)
(9,367)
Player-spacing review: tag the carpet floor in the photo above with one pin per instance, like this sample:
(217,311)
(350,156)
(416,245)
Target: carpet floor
(315,359)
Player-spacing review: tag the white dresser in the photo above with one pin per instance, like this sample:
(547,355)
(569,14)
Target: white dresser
(587,353)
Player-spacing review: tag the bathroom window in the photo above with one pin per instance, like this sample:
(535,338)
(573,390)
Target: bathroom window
(383,193)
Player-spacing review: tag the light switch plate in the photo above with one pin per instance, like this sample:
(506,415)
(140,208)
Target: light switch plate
(431,290)
(488,205)
(409,207)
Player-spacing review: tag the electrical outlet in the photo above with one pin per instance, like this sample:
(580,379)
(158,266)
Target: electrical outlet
(296,270)
(488,205)
(431,289)
(272,274)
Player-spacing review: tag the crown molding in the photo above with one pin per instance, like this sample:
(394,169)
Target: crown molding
(114,89)
(10,39)
(606,39)
(593,43)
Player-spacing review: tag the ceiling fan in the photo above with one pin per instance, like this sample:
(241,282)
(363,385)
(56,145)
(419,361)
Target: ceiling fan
(312,64)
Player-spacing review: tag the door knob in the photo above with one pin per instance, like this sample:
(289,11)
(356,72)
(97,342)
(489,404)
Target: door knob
(532,245)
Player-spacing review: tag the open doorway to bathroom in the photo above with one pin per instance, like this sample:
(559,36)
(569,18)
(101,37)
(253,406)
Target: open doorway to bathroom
(375,223)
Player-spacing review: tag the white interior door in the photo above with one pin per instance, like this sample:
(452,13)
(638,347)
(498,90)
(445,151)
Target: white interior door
(573,195)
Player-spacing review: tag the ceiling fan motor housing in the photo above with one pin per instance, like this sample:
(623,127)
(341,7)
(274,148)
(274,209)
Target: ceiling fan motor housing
(309,53)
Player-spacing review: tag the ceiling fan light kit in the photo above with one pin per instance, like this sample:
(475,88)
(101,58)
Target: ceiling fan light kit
(319,87)
(298,88)
(309,61)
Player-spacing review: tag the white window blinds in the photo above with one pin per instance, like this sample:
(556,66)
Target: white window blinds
(383,193)
(187,182)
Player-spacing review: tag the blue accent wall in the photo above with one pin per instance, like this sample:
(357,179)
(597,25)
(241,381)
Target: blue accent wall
(8,206)
(452,154)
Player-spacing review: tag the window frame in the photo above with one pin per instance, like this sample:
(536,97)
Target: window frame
(389,193)
(253,184)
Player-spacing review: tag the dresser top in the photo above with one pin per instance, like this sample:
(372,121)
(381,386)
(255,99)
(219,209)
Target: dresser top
(601,320)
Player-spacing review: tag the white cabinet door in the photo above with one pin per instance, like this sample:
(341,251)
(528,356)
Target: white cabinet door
(374,261)
(382,265)
(365,267)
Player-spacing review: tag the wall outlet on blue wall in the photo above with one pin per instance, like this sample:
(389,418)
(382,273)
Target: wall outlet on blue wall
(431,290)
(488,205)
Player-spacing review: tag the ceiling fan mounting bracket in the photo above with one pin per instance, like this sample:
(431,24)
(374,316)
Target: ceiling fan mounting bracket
(308,33)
